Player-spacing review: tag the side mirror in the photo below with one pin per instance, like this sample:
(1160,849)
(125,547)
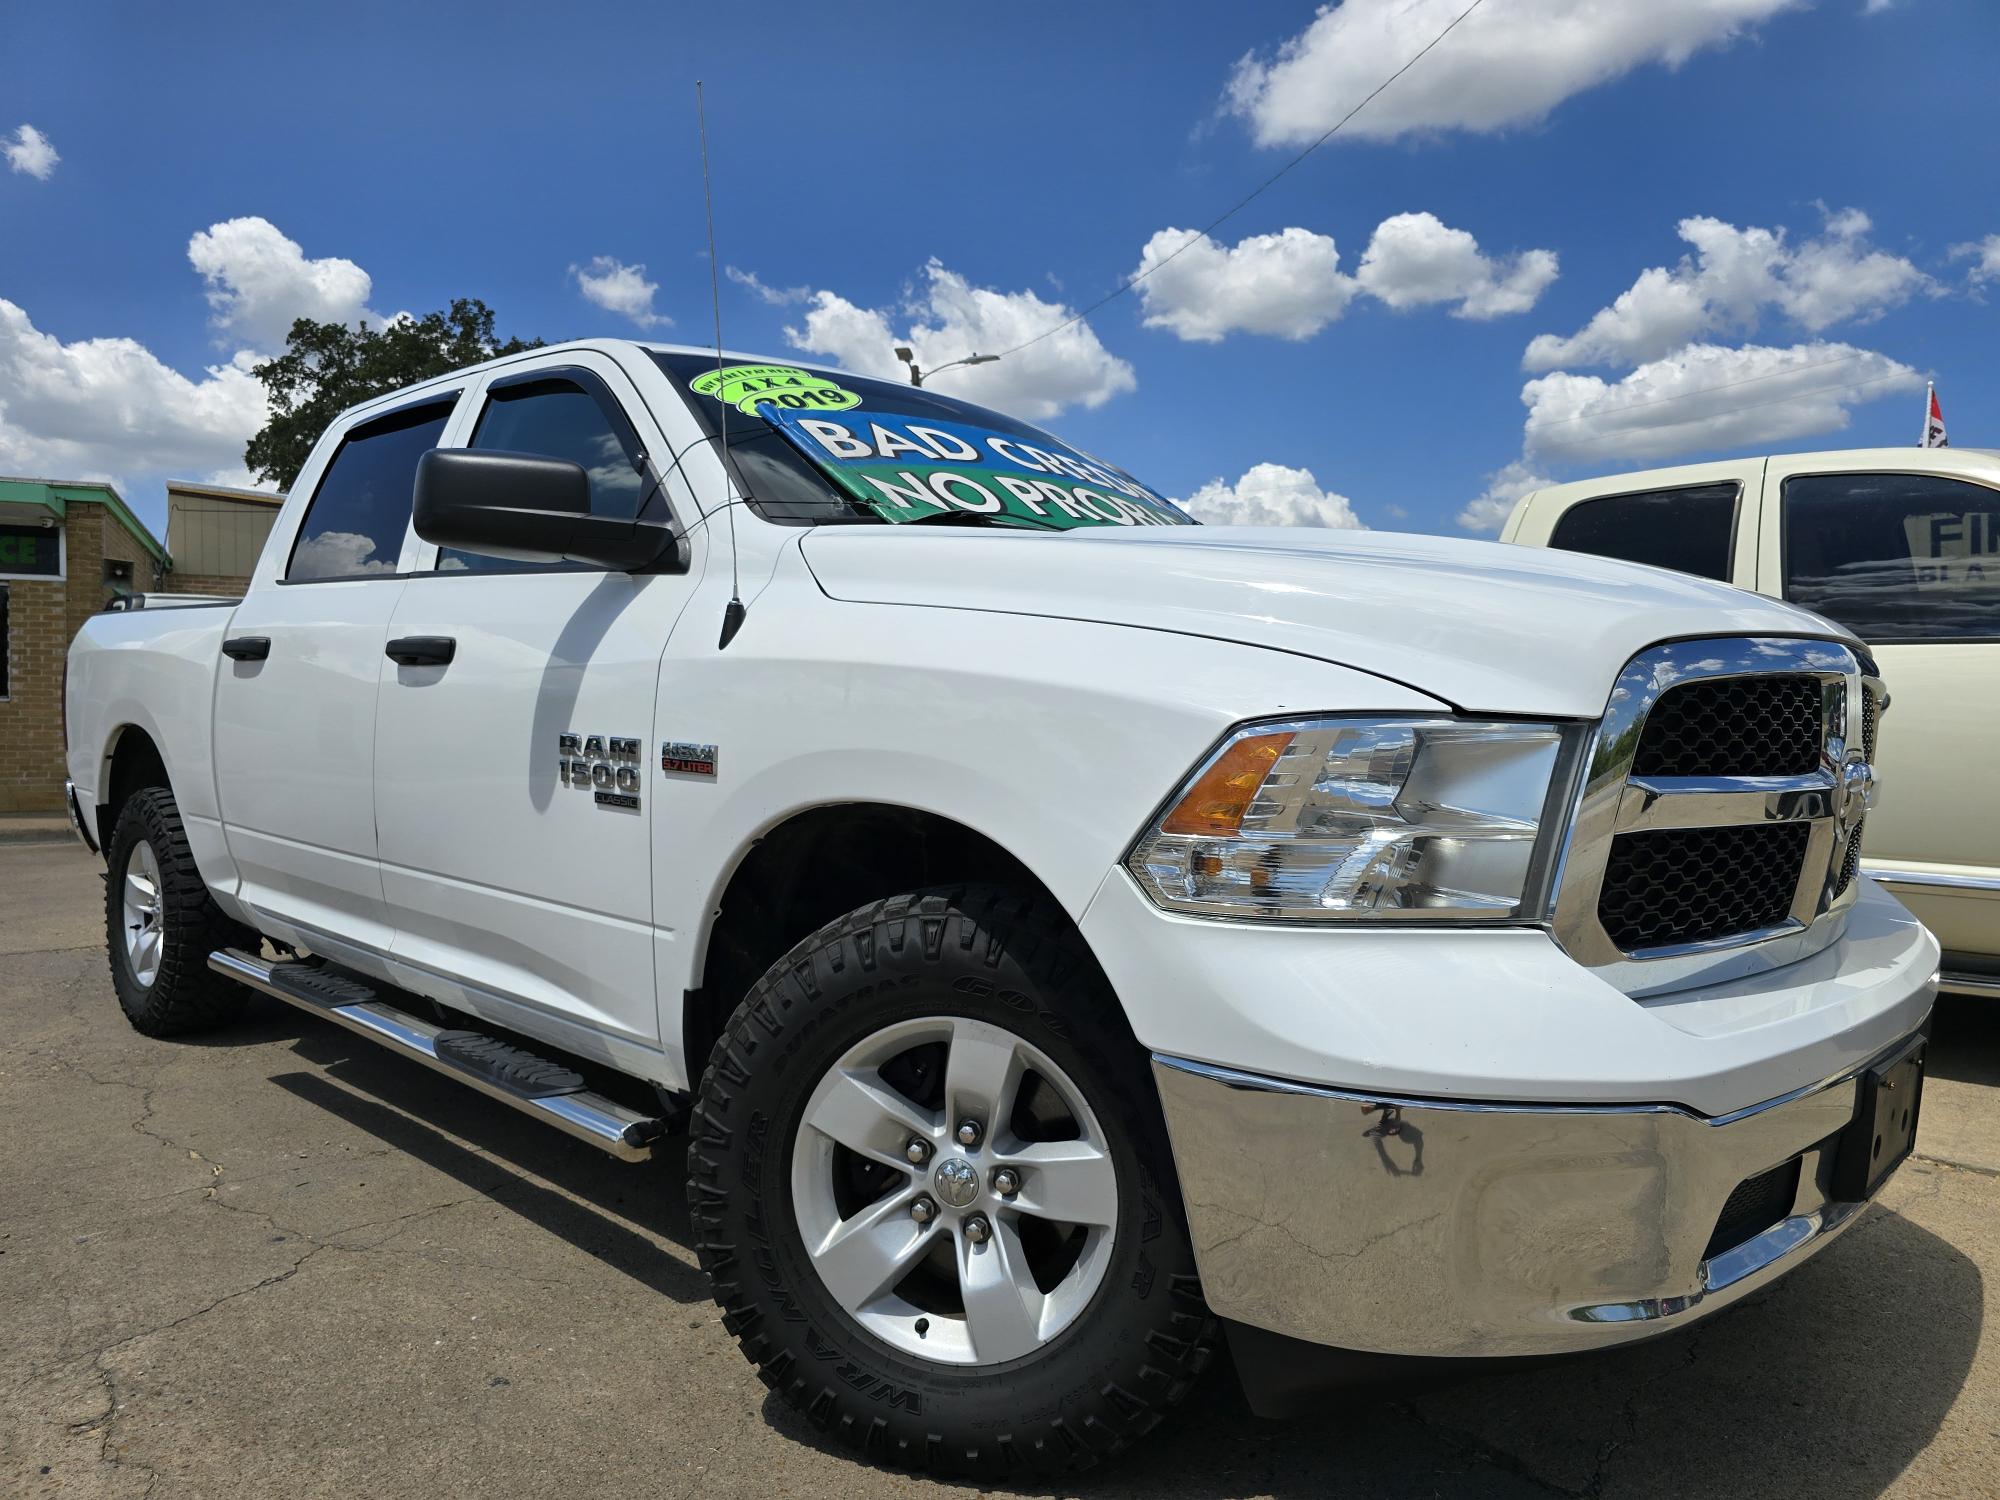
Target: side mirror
(527,508)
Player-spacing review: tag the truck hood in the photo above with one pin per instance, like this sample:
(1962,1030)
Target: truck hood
(1487,627)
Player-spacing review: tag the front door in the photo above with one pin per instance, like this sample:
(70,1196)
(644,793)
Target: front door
(295,696)
(513,782)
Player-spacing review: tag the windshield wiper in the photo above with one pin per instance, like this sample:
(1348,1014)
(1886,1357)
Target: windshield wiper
(971,518)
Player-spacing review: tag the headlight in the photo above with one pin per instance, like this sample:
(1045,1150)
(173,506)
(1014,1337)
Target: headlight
(1377,818)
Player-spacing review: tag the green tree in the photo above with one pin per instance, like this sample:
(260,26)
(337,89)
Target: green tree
(328,367)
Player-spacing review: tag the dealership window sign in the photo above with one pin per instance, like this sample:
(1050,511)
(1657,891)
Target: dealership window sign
(30,552)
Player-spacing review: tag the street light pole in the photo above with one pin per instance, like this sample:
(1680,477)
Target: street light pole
(908,357)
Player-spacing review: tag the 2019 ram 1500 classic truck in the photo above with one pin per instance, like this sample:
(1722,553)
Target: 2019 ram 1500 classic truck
(1073,937)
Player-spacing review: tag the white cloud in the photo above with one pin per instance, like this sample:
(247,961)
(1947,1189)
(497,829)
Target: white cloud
(1415,259)
(1288,285)
(777,296)
(259,281)
(616,287)
(1509,63)
(948,318)
(1488,511)
(1706,397)
(339,554)
(1733,277)
(108,409)
(1271,495)
(32,152)
(1985,257)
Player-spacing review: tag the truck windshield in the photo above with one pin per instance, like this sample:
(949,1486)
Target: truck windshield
(815,446)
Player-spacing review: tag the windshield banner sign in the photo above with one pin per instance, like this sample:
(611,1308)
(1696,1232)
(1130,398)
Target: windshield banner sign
(904,468)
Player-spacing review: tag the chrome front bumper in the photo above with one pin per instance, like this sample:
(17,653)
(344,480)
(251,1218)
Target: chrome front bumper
(1422,1227)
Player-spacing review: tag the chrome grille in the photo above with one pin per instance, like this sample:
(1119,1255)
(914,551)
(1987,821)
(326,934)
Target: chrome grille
(1871,712)
(1733,726)
(1717,827)
(1692,885)
(1850,864)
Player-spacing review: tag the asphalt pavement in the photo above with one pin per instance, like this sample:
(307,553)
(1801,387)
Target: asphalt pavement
(278,1261)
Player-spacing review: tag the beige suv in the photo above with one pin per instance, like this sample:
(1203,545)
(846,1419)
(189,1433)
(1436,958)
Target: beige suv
(1902,546)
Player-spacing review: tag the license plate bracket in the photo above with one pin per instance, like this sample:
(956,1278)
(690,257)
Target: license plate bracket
(1884,1129)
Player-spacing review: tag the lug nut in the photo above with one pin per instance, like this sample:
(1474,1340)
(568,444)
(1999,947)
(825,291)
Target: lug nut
(917,1152)
(923,1210)
(1006,1182)
(969,1133)
(977,1230)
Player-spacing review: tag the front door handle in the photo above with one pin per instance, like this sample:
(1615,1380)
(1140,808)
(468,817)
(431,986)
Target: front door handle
(247,647)
(421,650)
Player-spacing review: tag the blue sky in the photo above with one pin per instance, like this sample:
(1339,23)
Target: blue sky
(881,167)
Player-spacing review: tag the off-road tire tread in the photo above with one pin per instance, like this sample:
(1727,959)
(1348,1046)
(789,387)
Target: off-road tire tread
(990,921)
(186,996)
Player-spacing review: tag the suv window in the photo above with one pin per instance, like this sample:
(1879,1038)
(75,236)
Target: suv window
(557,418)
(1895,557)
(1690,530)
(354,526)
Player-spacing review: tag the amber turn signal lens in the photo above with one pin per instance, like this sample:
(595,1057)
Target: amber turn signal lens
(1220,797)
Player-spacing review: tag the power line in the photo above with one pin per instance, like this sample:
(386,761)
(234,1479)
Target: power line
(1202,233)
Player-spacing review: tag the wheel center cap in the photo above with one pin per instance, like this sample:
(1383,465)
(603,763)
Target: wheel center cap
(956,1181)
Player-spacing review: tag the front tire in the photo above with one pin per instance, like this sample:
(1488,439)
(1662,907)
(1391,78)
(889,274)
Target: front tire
(932,1190)
(161,924)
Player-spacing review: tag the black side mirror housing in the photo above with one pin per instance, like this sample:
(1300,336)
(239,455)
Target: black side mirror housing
(527,508)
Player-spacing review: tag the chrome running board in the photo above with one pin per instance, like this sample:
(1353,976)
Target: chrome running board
(546,1091)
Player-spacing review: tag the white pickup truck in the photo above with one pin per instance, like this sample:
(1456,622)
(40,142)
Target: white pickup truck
(1071,938)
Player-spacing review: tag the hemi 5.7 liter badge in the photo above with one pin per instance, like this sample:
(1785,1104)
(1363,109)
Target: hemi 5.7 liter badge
(607,764)
(685,759)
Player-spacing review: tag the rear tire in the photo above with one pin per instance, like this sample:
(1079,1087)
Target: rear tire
(161,924)
(1115,1331)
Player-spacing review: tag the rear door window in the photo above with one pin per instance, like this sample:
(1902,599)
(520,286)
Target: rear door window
(555,416)
(1690,530)
(354,526)
(1895,557)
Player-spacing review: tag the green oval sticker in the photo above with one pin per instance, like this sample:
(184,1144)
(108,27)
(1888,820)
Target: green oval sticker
(746,387)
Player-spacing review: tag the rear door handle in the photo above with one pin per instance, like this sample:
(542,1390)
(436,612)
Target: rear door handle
(247,647)
(421,650)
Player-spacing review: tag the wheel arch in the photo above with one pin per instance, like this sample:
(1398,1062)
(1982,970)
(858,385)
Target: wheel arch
(813,865)
(132,762)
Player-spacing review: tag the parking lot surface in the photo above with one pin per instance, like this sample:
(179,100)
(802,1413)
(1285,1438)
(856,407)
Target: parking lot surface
(278,1261)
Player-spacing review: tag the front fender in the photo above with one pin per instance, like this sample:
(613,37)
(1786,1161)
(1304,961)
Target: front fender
(1054,739)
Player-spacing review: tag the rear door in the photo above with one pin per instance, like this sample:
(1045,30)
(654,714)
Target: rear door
(295,699)
(512,783)
(1910,562)
(1700,520)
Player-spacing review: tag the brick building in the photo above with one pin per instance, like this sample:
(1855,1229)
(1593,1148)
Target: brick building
(65,551)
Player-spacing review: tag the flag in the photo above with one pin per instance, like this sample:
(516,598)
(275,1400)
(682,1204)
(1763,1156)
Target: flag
(1933,421)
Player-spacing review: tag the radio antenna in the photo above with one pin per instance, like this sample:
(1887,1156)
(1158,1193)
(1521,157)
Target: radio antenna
(732,615)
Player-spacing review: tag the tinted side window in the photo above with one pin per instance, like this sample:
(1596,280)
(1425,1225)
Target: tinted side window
(558,419)
(355,523)
(1895,557)
(1690,530)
